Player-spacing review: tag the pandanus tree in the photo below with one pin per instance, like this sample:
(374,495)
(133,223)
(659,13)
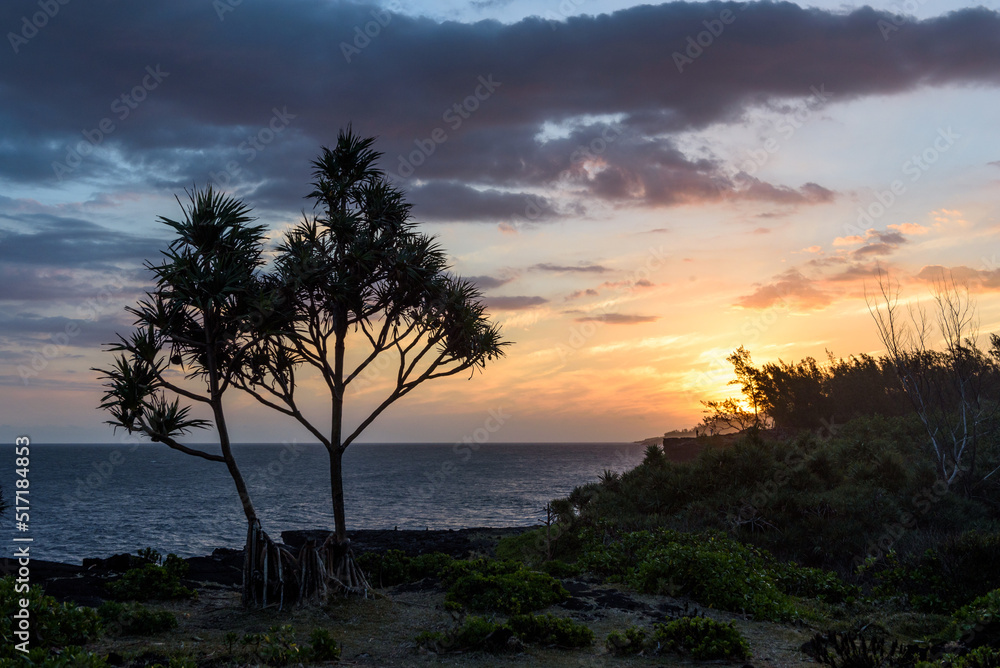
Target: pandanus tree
(193,333)
(358,271)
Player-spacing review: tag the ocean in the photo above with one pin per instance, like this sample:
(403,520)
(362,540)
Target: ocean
(98,500)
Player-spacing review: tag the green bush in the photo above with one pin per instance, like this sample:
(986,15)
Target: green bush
(134,619)
(551,630)
(275,647)
(631,641)
(979,619)
(713,569)
(501,586)
(981,657)
(151,581)
(702,637)
(865,649)
(51,625)
(534,547)
(807,582)
(322,646)
(560,569)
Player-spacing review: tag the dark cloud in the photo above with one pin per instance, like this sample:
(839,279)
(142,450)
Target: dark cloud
(879,243)
(28,282)
(489,282)
(514,303)
(467,101)
(25,332)
(582,268)
(787,288)
(46,239)
(618,319)
(451,201)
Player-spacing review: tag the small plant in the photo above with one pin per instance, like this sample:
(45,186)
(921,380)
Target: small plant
(551,630)
(276,647)
(135,619)
(702,637)
(150,556)
(151,581)
(631,641)
(231,638)
(322,646)
(501,586)
(864,649)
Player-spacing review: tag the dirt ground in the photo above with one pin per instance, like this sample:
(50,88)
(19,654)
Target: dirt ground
(380,631)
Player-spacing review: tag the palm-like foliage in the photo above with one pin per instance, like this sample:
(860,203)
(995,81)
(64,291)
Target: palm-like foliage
(195,328)
(359,266)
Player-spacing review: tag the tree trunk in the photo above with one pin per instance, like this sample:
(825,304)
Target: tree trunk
(337,493)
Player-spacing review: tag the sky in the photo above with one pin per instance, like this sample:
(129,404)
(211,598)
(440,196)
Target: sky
(636,189)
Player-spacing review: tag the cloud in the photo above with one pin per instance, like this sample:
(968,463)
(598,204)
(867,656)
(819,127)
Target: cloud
(876,243)
(988,279)
(618,319)
(582,268)
(57,241)
(472,122)
(788,287)
(910,228)
(514,303)
(489,282)
(589,292)
(451,201)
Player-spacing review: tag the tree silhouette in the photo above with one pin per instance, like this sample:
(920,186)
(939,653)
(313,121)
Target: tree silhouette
(192,336)
(358,269)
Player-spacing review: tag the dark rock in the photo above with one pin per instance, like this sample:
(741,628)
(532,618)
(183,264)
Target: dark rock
(117,563)
(458,543)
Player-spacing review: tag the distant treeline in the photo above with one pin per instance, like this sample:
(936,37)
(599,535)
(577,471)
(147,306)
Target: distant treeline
(810,395)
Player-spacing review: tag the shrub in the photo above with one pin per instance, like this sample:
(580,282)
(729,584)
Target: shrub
(560,569)
(980,619)
(151,581)
(864,649)
(276,647)
(702,637)
(52,624)
(713,569)
(502,586)
(135,619)
(534,547)
(631,641)
(981,657)
(551,630)
(322,646)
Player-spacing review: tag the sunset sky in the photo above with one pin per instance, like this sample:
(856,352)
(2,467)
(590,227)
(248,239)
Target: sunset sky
(637,190)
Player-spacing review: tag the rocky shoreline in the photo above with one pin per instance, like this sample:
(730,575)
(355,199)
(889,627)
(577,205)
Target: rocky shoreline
(84,584)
